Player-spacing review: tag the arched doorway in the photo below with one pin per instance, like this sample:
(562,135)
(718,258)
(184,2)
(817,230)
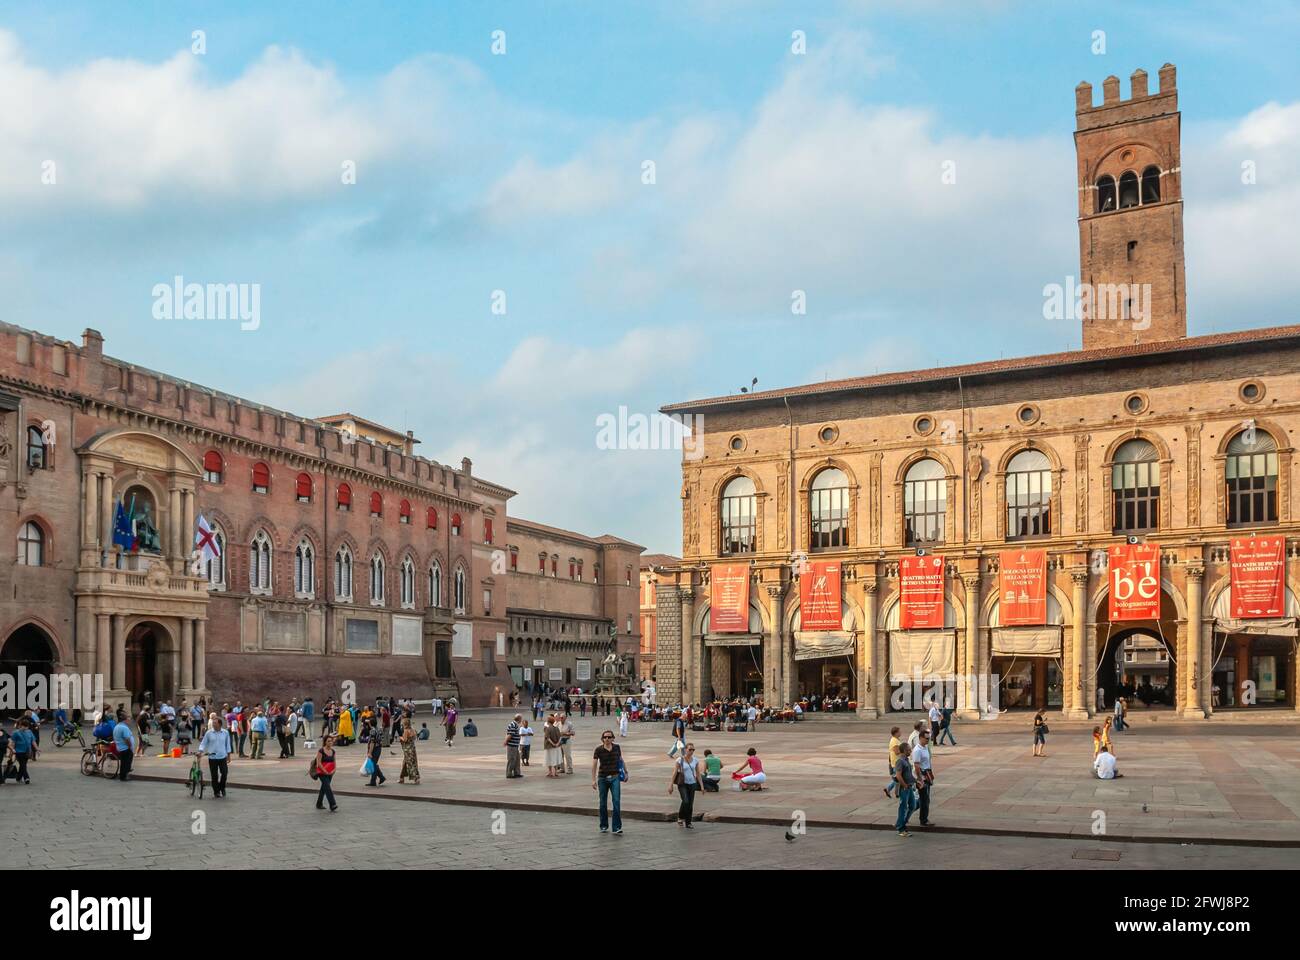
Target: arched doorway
(1136,663)
(27,652)
(149,661)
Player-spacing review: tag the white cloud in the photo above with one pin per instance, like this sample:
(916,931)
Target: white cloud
(121,132)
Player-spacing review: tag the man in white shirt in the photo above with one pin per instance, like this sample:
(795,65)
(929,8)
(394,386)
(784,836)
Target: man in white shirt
(752,715)
(920,757)
(936,719)
(914,737)
(1105,765)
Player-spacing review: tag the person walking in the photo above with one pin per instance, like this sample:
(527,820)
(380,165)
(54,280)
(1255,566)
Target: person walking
(449,723)
(924,773)
(410,762)
(1040,734)
(23,745)
(1105,736)
(622,721)
(551,740)
(215,745)
(1121,708)
(306,715)
(905,777)
(936,719)
(945,725)
(567,733)
(608,772)
(686,778)
(513,738)
(894,746)
(323,764)
(142,727)
(376,751)
(679,735)
(124,743)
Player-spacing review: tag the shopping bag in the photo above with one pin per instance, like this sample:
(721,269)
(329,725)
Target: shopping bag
(368,768)
(677,747)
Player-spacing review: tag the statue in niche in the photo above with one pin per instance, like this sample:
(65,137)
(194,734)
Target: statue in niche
(146,534)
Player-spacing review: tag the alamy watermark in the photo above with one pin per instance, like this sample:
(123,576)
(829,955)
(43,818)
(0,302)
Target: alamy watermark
(1098,301)
(208,301)
(46,691)
(657,431)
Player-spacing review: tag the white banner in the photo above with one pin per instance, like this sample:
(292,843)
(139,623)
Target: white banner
(929,652)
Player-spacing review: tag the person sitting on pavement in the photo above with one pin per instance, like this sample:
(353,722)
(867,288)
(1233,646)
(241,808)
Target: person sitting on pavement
(470,729)
(1105,765)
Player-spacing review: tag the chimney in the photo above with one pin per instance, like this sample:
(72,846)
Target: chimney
(92,344)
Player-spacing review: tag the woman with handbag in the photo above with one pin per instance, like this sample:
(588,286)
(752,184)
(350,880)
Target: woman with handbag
(1040,734)
(376,751)
(686,778)
(322,769)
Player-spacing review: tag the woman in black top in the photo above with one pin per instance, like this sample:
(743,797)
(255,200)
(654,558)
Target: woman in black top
(324,764)
(376,751)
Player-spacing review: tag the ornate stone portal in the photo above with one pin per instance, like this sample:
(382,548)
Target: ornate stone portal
(148,596)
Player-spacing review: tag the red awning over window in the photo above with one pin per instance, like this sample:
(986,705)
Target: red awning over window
(455,521)
(345,495)
(405,510)
(377,503)
(261,475)
(487,531)
(212,462)
(304,486)
(432,519)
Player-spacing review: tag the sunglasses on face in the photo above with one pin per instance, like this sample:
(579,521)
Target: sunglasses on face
(607,738)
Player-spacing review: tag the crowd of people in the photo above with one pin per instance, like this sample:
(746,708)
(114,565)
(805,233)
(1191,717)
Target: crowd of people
(221,733)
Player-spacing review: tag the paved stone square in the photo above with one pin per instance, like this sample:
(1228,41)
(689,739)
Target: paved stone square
(66,821)
(1222,782)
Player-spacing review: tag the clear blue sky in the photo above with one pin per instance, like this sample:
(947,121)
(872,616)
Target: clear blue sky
(522,173)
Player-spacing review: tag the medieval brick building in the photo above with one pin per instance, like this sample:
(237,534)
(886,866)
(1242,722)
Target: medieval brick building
(344,557)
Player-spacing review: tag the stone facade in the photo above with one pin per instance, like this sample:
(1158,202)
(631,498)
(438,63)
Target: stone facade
(570,596)
(346,558)
(958,439)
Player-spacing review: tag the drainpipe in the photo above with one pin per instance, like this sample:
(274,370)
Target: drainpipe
(966,491)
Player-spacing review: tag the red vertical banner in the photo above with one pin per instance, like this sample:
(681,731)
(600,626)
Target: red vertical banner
(819,596)
(921,583)
(1258,568)
(729,598)
(1135,581)
(1022,588)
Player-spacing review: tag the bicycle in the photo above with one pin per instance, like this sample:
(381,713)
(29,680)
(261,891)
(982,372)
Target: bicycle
(195,780)
(65,735)
(95,759)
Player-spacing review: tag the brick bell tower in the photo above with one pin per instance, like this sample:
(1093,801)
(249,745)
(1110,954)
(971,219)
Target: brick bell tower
(1130,213)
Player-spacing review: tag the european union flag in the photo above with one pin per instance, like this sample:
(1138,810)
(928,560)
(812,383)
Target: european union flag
(122,536)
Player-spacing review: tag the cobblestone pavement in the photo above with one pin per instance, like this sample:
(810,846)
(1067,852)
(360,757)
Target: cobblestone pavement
(64,820)
(1233,780)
